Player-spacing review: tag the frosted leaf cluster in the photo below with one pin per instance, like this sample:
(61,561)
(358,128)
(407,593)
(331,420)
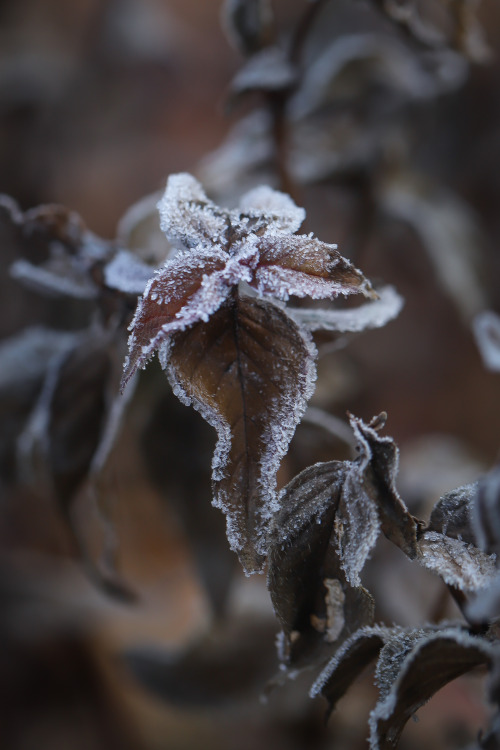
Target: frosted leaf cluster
(220,248)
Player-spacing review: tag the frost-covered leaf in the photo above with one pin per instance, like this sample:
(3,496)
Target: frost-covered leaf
(267,70)
(311,596)
(249,371)
(414,666)
(486,512)
(451,515)
(180,294)
(305,267)
(254,244)
(459,564)
(350,660)
(27,355)
(60,254)
(379,461)
(329,521)
(373,314)
(486,328)
(127,274)
(248,23)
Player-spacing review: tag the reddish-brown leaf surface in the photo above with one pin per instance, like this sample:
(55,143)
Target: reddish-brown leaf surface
(249,371)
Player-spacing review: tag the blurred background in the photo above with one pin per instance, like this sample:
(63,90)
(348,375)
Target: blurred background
(388,133)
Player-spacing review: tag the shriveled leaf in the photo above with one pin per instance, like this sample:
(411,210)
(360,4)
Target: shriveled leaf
(362,648)
(374,314)
(379,460)
(249,371)
(486,328)
(311,596)
(411,669)
(459,564)
(451,515)
(329,522)
(248,23)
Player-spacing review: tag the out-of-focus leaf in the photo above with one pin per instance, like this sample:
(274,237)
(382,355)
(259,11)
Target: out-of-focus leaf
(448,232)
(72,429)
(127,274)
(69,253)
(439,23)
(176,437)
(373,314)
(248,23)
(227,368)
(486,512)
(139,232)
(227,666)
(451,515)
(486,328)
(268,70)
(414,666)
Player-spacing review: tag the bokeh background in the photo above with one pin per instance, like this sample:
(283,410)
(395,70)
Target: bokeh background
(100,100)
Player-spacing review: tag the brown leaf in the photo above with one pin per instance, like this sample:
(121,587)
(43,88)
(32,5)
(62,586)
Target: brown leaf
(305,567)
(306,267)
(249,371)
(452,514)
(412,668)
(351,659)
(176,286)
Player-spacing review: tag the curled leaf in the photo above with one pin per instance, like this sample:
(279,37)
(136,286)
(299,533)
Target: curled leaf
(412,668)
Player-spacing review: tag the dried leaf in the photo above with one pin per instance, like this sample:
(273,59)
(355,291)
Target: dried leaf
(253,244)
(414,667)
(329,521)
(249,371)
(303,562)
(350,660)
(459,564)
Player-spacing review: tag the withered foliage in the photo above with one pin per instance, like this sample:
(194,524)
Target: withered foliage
(238,306)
